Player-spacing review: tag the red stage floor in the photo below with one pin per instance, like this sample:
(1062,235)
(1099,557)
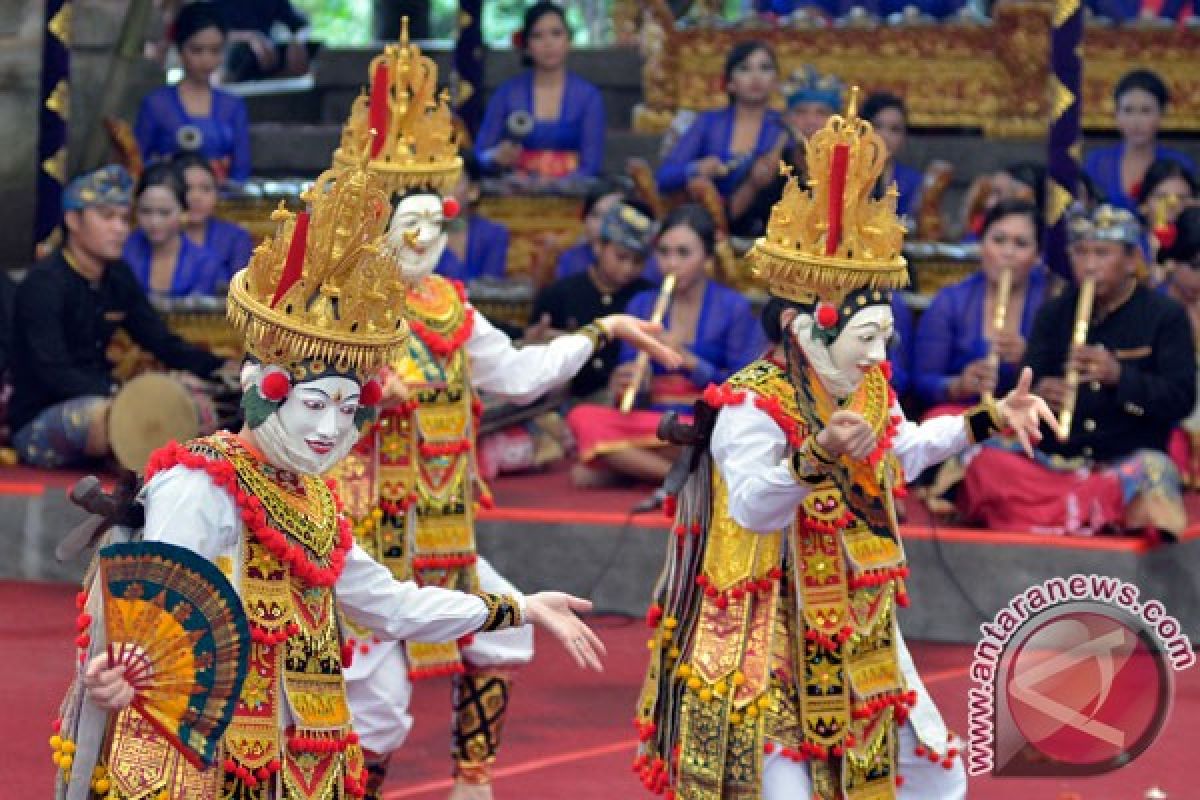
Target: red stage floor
(569,737)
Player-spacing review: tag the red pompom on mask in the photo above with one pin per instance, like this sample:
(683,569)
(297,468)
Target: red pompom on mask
(826,316)
(275,387)
(450,208)
(372,393)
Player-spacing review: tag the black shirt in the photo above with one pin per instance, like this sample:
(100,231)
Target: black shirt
(62,326)
(572,303)
(1151,337)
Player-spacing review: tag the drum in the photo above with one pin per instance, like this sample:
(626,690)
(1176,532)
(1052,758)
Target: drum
(156,408)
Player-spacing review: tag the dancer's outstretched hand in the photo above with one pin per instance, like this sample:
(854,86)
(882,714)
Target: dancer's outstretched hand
(1023,412)
(555,612)
(106,687)
(643,335)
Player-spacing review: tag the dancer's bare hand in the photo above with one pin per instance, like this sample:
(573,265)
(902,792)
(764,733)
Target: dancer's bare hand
(555,612)
(643,335)
(847,434)
(1024,412)
(106,687)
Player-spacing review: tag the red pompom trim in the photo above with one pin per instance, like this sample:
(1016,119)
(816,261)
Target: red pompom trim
(450,208)
(254,515)
(826,316)
(275,386)
(371,394)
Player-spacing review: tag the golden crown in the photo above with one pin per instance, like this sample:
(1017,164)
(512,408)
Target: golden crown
(323,293)
(832,237)
(406,122)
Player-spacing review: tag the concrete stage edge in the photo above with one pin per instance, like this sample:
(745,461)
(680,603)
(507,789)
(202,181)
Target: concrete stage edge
(959,576)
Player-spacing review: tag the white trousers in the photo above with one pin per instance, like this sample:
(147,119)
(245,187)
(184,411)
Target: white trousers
(784,779)
(377,684)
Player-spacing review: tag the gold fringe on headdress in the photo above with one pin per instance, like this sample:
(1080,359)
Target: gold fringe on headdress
(324,288)
(832,237)
(405,121)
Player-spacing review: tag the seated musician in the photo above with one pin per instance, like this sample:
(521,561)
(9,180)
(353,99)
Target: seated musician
(712,328)
(561,132)
(1181,265)
(267,39)
(67,309)
(1136,381)
(192,116)
(229,243)
(476,247)
(958,355)
(1141,98)
(728,145)
(812,98)
(605,287)
(601,196)
(166,262)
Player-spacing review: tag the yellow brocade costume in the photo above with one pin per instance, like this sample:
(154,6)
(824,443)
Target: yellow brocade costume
(410,484)
(295,657)
(784,640)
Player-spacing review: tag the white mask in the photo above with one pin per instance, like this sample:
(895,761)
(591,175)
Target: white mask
(861,345)
(314,427)
(417,235)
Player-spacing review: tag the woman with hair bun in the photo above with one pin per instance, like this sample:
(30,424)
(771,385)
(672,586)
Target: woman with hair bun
(547,121)
(192,116)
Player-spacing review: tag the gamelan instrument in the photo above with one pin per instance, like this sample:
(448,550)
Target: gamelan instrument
(1083,316)
(156,408)
(643,358)
(999,318)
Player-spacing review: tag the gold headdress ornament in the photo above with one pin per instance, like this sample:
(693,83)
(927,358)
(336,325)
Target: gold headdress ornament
(831,238)
(405,121)
(323,294)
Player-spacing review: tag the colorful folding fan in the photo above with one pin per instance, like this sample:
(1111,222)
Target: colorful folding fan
(176,623)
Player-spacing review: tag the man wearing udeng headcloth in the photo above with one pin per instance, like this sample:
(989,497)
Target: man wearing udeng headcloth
(321,311)
(413,493)
(777,670)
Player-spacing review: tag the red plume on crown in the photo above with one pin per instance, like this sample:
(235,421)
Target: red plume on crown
(378,116)
(837,194)
(293,268)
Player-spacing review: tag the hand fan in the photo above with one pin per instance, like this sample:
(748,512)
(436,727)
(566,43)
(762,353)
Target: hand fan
(176,623)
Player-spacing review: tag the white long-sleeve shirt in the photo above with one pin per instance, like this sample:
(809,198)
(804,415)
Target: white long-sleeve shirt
(184,507)
(522,374)
(751,451)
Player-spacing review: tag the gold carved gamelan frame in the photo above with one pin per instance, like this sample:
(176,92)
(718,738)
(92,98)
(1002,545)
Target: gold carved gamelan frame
(993,76)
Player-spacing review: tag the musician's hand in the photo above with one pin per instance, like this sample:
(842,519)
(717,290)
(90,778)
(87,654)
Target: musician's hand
(707,167)
(107,688)
(1009,346)
(847,434)
(555,612)
(1023,413)
(506,153)
(542,331)
(1052,390)
(765,170)
(980,376)
(622,378)
(1095,363)
(641,334)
